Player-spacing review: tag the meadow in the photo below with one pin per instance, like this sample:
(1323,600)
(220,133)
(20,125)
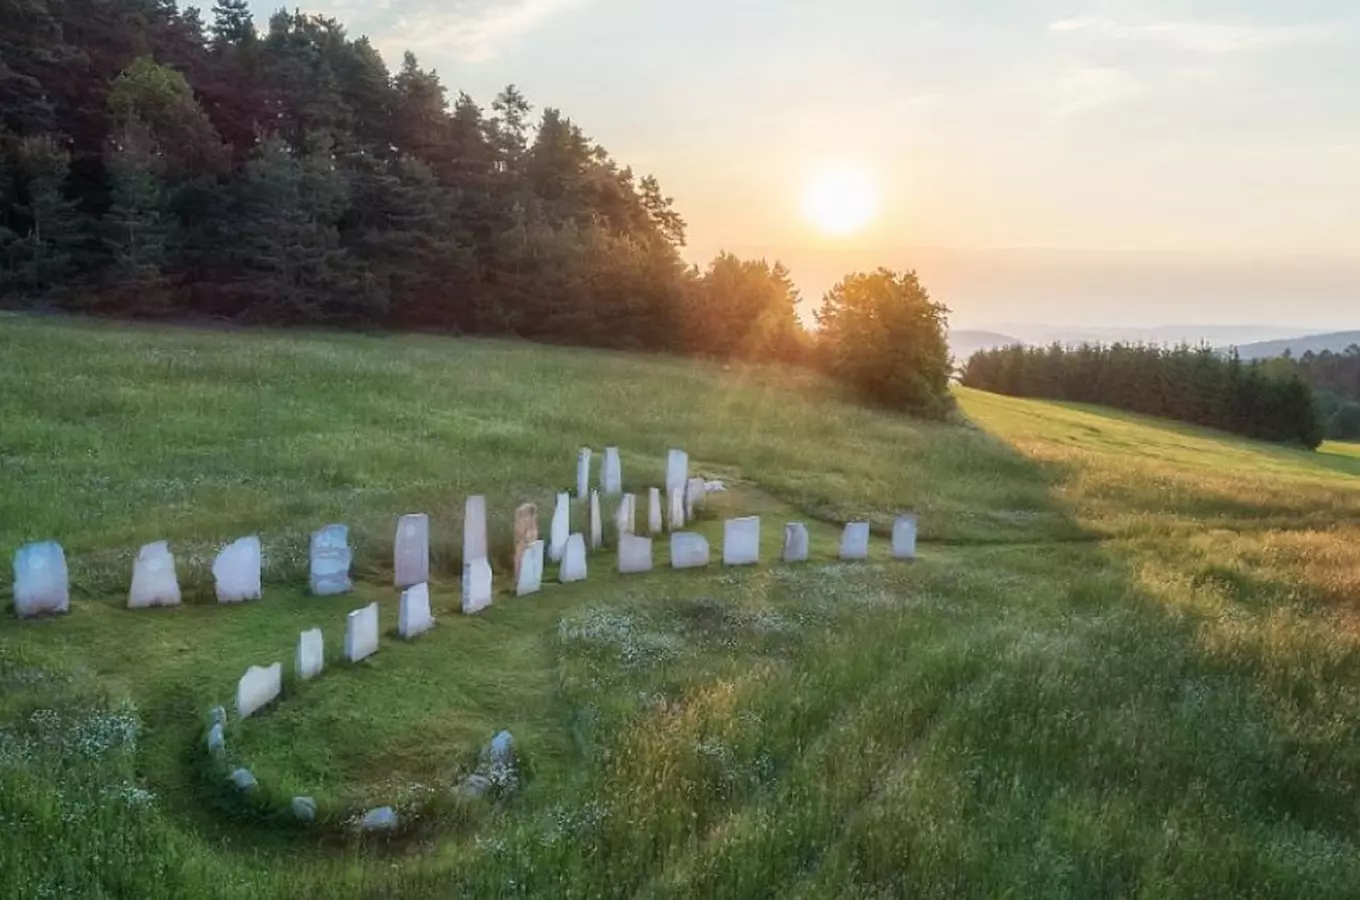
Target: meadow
(1126,664)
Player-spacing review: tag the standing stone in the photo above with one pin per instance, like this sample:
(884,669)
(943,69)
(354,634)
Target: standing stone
(741,541)
(474,529)
(217,742)
(361,633)
(573,560)
(384,818)
(237,570)
(795,542)
(413,616)
(243,780)
(583,473)
(688,551)
(412,550)
(153,578)
(476,586)
(304,809)
(635,555)
(904,537)
(257,688)
(41,583)
(526,532)
(611,474)
(677,470)
(311,654)
(696,491)
(855,541)
(561,528)
(530,579)
(596,522)
(625,517)
(677,509)
(654,523)
(330,562)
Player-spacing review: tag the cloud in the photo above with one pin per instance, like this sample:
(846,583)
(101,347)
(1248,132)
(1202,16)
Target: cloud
(1208,38)
(473,31)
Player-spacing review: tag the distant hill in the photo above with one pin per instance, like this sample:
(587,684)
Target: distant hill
(964,344)
(1336,341)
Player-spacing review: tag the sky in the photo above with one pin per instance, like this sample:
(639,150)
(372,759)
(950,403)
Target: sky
(1117,162)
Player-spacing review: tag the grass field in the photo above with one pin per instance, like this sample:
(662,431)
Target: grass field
(1127,663)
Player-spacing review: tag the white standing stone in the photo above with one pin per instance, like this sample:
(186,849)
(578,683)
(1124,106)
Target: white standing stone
(41,583)
(237,571)
(258,688)
(311,654)
(476,586)
(611,474)
(583,473)
(625,517)
(361,633)
(153,578)
(573,560)
(474,529)
(635,555)
(688,551)
(855,541)
(677,470)
(904,537)
(330,562)
(561,528)
(530,570)
(741,541)
(677,509)
(596,522)
(696,491)
(795,542)
(413,617)
(654,521)
(411,553)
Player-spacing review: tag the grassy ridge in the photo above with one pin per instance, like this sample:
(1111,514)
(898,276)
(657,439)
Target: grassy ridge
(1126,664)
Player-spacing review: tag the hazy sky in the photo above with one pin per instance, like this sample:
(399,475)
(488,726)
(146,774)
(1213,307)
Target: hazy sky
(1157,160)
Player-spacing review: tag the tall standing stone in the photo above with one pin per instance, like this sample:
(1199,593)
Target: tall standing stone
(413,616)
(741,541)
(153,578)
(328,573)
(596,522)
(688,551)
(561,528)
(635,555)
(677,509)
(677,470)
(904,537)
(41,583)
(411,551)
(476,586)
(611,474)
(625,517)
(573,560)
(530,578)
(795,542)
(361,633)
(258,688)
(583,473)
(855,541)
(237,571)
(474,529)
(311,654)
(696,491)
(654,522)
(526,532)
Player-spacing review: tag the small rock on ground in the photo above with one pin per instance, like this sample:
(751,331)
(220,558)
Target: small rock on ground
(304,809)
(244,780)
(384,818)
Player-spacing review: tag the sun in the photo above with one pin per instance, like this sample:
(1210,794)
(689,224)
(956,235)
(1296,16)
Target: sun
(840,200)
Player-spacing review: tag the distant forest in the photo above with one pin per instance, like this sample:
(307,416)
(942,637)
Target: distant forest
(1336,379)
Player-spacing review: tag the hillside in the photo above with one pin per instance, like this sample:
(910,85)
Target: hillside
(1117,630)
(963,343)
(1336,341)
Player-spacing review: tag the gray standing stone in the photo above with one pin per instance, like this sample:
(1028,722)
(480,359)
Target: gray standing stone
(654,521)
(413,616)
(476,586)
(596,522)
(855,541)
(412,550)
(311,654)
(526,533)
(561,528)
(530,570)
(696,491)
(330,562)
(677,508)
(218,715)
(217,742)
(625,517)
(361,633)
(611,474)
(688,551)
(635,555)
(573,560)
(237,571)
(795,542)
(583,473)
(474,529)
(153,578)
(904,537)
(243,780)
(257,688)
(741,541)
(677,470)
(384,818)
(41,583)
(304,809)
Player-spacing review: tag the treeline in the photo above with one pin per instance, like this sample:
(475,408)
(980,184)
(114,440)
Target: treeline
(1336,379)
(1197,385)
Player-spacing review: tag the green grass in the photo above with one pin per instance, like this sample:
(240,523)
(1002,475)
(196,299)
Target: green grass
(1126,664)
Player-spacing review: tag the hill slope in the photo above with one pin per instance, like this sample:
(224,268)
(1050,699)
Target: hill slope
(1336,341)
(1113,625)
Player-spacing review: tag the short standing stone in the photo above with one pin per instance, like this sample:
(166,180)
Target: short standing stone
(530,579)
(795,542)
(526,533)
(688,551)
(237,571)
(741,541)
(311,654)
(476,586)
(384,818)
(153,578)
(361,633)
(304,809)
(611,474)
(218,715)
(243,780)
(904,537)
(696,491)
(474,529)
(635,555)
(625,517)
(677,470)
(330,562)
(501,750)
(855,541)
(677,508)
(573,560)
(583,473)
(413,616)
(561,528)
(411,553)
(217,743)
(654,522)
(41,584)
(258,688)
(596,522)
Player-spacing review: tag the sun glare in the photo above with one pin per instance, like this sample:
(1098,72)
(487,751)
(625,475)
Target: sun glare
(840,200)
